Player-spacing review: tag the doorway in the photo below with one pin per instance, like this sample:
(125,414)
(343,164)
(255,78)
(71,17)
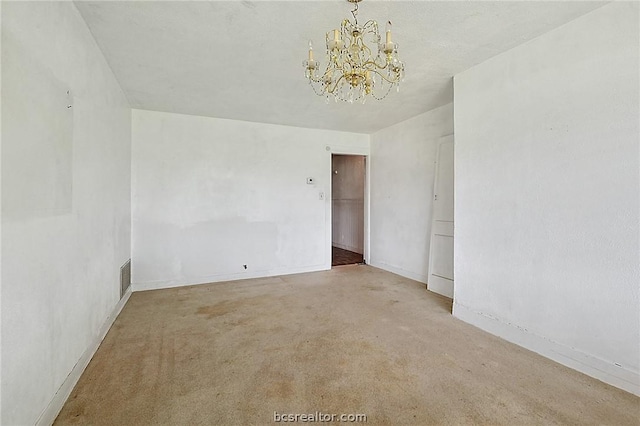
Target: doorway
(348,177)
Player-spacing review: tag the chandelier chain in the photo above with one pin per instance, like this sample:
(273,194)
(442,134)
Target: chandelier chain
(354,12)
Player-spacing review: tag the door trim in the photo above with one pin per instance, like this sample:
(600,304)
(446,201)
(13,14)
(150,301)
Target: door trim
(339,150)
(437,283)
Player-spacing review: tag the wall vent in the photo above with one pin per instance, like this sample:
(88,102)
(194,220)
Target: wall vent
(125,277)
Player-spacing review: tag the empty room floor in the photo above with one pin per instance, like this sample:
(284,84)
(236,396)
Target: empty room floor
(345,341)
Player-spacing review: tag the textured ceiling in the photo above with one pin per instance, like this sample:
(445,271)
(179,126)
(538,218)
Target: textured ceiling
(243,60)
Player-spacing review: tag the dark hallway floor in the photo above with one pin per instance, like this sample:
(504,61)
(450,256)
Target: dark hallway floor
(344,257)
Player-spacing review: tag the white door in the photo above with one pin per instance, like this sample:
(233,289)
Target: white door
(441,251)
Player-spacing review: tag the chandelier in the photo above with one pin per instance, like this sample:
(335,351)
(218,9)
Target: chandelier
(353,72)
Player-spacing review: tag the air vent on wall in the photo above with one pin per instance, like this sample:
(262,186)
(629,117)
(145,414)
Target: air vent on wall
(125,277)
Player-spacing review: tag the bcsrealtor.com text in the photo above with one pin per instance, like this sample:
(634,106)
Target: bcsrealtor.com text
(318,417)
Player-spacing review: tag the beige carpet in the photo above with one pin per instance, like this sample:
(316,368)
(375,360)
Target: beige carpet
(351,340)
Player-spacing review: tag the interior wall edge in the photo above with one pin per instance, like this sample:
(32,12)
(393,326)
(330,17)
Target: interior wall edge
(607,372)
(48,416)
(403,160)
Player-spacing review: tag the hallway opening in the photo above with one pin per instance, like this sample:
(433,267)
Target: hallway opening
(347,208)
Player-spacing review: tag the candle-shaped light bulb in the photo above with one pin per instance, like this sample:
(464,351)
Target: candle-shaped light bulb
(336,35)
(310,50)
(388,31)
(367,77)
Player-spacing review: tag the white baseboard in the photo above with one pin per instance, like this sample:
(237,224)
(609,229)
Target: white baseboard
(399,271)
(607,372)
(158,285)
(50,413)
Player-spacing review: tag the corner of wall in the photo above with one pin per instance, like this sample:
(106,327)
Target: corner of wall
(48,416)
(402,177)
(606,372)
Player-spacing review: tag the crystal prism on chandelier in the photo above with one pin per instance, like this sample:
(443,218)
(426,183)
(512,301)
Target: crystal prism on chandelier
(353,71)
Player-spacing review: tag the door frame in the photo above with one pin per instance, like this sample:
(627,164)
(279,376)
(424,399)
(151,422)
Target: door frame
(343,150)
(436,285)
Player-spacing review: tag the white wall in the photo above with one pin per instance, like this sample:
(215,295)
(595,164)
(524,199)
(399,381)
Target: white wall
(0,212)
(402,175)
(347,197)
(547,195)
(65,202)
(211,195)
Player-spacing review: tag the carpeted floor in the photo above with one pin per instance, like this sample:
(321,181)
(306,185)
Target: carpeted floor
(341,257)
(345,341)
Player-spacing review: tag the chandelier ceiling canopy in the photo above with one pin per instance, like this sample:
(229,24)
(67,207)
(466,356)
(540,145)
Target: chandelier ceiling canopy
(353,71)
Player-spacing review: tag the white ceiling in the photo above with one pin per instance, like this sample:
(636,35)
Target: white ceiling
(243,59)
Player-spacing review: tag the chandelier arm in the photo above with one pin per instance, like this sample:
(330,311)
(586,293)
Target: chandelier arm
(369,54)
(377,65)
(335,85)
(394,81)
(347,67)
